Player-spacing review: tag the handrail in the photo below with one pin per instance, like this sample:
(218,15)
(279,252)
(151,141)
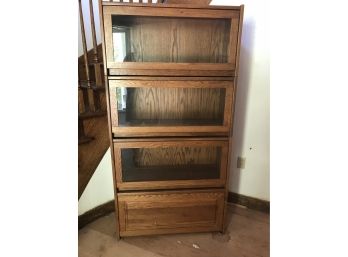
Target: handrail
(94,38)
(84,44)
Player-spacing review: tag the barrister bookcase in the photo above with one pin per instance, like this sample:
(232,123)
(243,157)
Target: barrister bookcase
(171,76)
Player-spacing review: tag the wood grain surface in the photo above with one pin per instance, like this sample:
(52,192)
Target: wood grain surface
(156,105)
(170,212)
(175,40)
(172,106)
(183,40)
(173,156)
(165,164)
(171,163)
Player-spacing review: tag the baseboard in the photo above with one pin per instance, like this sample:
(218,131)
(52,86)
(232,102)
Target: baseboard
(249,202)
(106,208)
(96,213)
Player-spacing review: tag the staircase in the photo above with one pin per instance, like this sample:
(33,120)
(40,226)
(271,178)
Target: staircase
(93,138)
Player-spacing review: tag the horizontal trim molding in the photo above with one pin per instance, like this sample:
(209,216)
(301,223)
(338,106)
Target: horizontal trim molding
(249,202)
(96,213)
(108,207)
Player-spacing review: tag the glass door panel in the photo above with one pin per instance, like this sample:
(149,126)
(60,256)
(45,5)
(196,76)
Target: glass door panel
(170,106)
(170,39)
(175,41)
(170,163)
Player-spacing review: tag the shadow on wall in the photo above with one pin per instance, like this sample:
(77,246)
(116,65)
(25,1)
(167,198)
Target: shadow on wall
(241,100)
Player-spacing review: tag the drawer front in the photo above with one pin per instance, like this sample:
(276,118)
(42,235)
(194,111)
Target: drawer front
(170,107)
(170,212)
(169,163)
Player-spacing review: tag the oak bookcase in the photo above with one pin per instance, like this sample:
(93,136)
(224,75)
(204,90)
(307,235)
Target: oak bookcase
(171,74)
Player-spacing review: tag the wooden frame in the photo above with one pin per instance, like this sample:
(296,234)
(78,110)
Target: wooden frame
(170,184)
(146,196)
(158,83)
(170,212)
(166,68)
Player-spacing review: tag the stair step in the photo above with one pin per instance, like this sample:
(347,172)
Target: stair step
(92,85)
(101,63)
(90,114)
(85,140)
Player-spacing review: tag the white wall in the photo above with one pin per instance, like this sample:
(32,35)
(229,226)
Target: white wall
(99,189)
(251,123)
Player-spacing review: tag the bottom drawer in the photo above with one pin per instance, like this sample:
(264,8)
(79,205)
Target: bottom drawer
(170,212)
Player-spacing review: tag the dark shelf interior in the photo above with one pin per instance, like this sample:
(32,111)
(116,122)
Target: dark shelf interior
(172,163)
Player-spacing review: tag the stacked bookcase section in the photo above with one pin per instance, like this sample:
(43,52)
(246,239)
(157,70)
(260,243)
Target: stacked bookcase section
(171,73)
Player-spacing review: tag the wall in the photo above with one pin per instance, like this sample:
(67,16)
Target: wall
(99,189)
(251,123)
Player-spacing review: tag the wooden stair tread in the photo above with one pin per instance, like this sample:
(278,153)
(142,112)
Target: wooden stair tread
(85,140)
(96,63)
(91,85)
(90,155)
(90,114)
